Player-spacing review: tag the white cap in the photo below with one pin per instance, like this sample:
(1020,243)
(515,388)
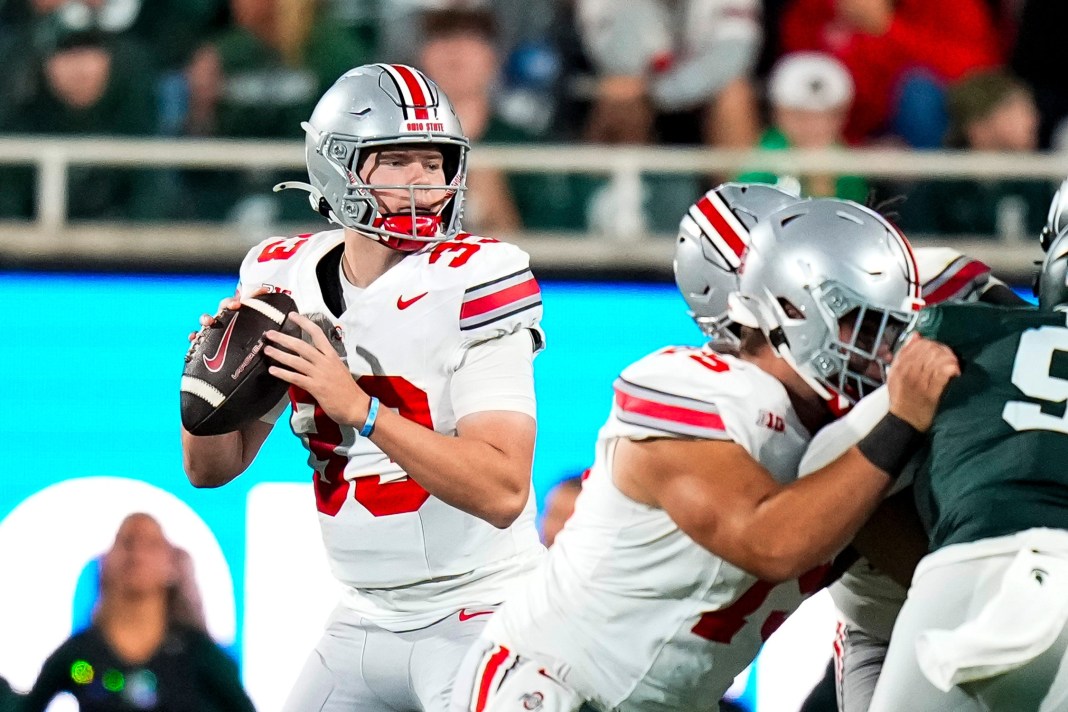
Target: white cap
(810,80)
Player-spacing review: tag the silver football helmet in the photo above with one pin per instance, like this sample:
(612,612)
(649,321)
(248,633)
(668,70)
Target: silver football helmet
(379,105)
(1057,219)
(1051,286)
(712,239)
(833,286)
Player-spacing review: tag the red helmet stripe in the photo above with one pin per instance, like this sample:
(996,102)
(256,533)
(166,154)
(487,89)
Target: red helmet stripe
(420,97)
(726,234)
(911,266)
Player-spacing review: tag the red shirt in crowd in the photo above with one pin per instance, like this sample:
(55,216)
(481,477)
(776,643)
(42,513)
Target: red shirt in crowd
(948,38)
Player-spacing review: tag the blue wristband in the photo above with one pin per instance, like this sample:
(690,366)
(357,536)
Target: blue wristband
(372,416)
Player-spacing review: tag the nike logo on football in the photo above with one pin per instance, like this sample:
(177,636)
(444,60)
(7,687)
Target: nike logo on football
(214,363)
(464,615)
(403,303)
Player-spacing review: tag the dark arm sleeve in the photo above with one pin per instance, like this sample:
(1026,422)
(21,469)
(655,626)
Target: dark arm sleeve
(220,680)
(53,679)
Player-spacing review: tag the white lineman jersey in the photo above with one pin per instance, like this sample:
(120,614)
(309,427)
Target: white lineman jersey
(631,611)
(406,557)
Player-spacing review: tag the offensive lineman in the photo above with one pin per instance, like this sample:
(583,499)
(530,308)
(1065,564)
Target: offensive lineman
(412,391)
(692,540)
(867,599)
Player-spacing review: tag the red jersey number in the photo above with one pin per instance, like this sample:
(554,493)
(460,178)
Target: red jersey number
(381,499)
(464,250)
(706,358)
(282,249)
(722,625)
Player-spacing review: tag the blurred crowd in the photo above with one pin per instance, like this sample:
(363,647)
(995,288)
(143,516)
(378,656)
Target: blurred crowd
(777,74)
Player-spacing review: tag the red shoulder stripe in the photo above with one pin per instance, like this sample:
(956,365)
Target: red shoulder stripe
(673,413)
(957,283)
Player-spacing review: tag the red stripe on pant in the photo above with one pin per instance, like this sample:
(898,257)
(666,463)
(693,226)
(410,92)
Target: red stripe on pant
(488,673)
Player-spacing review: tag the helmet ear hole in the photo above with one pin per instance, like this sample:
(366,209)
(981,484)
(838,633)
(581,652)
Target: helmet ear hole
(450,156)
(790,309)
(323,207)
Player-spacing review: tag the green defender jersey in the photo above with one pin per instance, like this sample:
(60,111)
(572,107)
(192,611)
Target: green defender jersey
(998,461)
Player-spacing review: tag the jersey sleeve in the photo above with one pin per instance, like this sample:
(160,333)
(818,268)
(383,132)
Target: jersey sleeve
(949,276)
(53,679)
(675,395)
(263,267)
(267,262)
(496,375)
(218,676)
(501,297)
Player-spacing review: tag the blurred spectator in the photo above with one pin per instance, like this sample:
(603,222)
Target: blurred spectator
(146,648)
(989,111)
(901,54)
(460,54)
(1039,58)
(810,94)
(518,23)
(559,505)
(170,27)
(260,79)
(663,64)
(84,84)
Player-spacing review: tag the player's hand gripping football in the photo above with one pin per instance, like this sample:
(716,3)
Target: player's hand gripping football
(232,303)
(317,369)
(921,370)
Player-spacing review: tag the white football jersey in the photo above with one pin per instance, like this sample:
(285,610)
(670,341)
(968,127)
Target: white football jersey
(949,276)
(634,613)
(405,556)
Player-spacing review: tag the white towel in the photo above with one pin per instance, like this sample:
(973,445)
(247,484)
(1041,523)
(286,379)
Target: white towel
(1018,624)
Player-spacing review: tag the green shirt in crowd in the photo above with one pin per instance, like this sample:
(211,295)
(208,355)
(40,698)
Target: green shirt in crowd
(852,188)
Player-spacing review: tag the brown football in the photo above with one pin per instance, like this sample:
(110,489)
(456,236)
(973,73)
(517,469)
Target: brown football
(225,383)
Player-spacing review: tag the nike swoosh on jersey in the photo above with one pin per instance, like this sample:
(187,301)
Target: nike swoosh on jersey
(215,363)
(464,615)
(403,303)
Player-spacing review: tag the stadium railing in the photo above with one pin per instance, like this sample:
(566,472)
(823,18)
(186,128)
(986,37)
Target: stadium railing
(51,237)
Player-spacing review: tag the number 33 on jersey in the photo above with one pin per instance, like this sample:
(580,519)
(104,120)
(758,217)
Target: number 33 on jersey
(402,337)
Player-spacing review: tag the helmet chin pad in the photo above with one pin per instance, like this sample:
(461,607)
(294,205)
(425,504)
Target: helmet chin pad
(418,226)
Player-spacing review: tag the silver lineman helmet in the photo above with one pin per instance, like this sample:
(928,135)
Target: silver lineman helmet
(832,285)
(379,105)
(1057,219)
(1051,287)
(712,239)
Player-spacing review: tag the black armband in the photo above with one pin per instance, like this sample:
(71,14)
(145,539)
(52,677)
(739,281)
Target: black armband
(890,444)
